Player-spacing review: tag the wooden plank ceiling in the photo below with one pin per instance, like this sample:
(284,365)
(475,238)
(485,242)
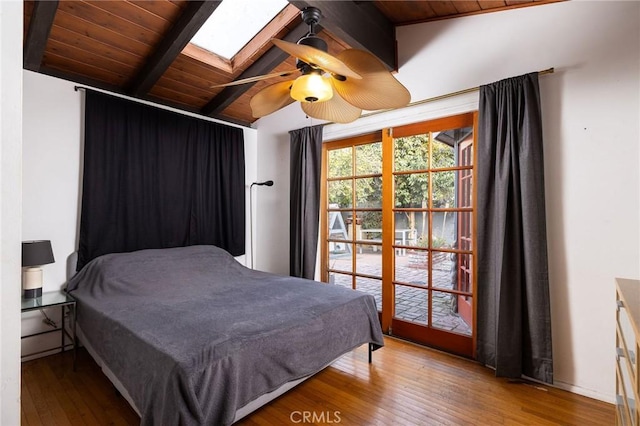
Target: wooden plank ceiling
(141,48)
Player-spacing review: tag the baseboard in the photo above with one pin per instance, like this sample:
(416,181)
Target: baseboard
(44,353)
(584,392)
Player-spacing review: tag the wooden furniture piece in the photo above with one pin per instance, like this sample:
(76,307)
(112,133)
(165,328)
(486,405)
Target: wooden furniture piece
(54,299)
(627,352)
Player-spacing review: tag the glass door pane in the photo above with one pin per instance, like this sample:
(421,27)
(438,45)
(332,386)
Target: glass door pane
(433,211)
(354,224)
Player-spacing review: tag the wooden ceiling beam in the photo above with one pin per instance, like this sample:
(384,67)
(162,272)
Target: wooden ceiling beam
(264,65)
(193,17)
(360,24)
(39,28)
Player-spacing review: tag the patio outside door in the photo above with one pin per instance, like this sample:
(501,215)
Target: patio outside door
(398,224)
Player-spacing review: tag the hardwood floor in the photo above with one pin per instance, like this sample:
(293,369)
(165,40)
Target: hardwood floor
(405,385)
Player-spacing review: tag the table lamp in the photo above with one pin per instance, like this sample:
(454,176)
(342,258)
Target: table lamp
(34,255)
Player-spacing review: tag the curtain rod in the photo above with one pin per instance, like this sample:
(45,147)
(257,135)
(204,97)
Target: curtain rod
(440,97)
(156,104)
(421,102)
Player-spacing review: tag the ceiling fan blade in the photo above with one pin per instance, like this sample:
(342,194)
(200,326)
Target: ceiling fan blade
(316,58)
(271,99)
(378,88)
(335,109)
(257,78)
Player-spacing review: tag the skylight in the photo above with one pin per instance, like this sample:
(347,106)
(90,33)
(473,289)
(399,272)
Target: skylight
(234,23)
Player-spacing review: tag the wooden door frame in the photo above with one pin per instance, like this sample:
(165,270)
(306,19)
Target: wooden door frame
(465,309)
(388,234)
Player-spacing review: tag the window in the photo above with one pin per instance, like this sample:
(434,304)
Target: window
(234,23)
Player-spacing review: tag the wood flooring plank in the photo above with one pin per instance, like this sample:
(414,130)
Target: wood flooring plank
(24,421)
(30,381)
(85,414)
(328,402)
(29,414)
(105,399)
(405,385)
(97,410)
(49,385)
(414,397)
(347,401)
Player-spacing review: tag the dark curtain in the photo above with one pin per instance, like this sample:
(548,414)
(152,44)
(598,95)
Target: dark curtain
(157,179)
(306,163)
(513,312)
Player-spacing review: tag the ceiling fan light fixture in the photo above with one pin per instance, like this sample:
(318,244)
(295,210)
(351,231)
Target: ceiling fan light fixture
(333,88)
(311,87)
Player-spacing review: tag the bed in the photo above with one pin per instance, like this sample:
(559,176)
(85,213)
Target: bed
(193,337)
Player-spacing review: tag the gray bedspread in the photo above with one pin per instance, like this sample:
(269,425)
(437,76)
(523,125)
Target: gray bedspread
(193,335)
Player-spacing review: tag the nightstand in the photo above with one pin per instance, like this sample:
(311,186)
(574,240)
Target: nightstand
(67,306)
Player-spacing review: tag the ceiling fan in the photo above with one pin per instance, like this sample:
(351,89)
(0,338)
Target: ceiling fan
(334,88)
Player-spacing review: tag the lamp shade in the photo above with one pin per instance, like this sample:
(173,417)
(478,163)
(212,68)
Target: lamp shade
(36,253)
(311,87)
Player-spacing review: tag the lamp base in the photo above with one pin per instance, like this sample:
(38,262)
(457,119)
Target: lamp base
(32,282)
(32,293)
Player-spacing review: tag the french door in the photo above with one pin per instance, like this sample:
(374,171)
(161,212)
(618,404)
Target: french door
(352,252)
(398,223)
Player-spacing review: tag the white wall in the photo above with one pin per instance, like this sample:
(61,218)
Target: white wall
(591,113)
(50,176)
(271,204)
(53,132)
(52,117)
(10,208)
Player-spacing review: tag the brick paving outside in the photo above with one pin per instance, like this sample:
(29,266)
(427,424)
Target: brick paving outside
(411,303)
